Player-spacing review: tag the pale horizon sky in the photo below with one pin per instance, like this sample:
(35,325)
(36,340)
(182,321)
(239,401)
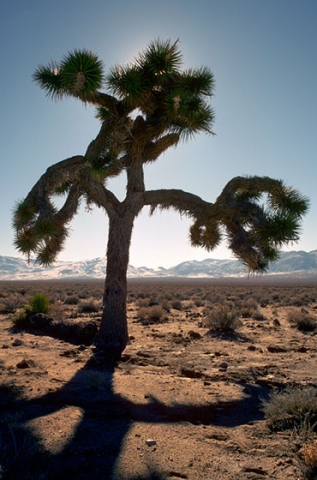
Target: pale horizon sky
(263,57)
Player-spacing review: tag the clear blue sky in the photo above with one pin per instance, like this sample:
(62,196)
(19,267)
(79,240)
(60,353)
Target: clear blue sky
(263,57)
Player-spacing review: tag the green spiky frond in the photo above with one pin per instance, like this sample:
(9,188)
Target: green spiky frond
(106,166)
(102,113)
(258,216)
(257,231)
(198,81)
(23,213)
(207,236)
(172,100)
(36,232)
(80,74)
(160,57)
(49,79)
(63,188)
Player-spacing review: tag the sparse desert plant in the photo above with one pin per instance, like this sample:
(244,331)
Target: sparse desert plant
(176,304)
(154,314)
(71,300)
(258,316)
(222,318)
(40,303)
(293,408)
(88,306)
(300,319)
(309,454)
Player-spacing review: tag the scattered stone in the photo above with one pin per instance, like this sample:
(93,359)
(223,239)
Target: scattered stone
(252,348)
(276,322)
(191,373)
(17,342)
(194,335)
(276,349)
(223,366)
(257,470)
(150,442)
(302,349)
(25,364)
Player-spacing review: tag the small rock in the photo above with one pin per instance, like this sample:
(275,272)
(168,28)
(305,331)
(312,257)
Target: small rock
(302,349)
(24,364)
(252,348)
(17,342)
(191,373)
(276,349)
(150,442)
(194,335)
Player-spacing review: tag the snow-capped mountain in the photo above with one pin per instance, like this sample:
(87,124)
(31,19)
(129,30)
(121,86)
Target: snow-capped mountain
(291,263)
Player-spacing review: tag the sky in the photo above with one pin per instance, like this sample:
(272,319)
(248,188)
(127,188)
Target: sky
(262,54)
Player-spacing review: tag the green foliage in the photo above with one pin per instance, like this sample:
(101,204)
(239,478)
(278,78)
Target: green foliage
(49,79)
(79,74)
(40,303)
(23,214)
(171,99)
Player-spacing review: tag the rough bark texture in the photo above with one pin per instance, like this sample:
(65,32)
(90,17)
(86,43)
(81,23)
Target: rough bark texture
(113,335)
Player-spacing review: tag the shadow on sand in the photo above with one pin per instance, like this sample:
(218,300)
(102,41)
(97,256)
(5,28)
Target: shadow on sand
(92,450)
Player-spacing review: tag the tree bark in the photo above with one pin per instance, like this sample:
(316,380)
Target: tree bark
(112,337)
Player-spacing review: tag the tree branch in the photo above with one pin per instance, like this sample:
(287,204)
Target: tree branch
(154,149)
(183,202)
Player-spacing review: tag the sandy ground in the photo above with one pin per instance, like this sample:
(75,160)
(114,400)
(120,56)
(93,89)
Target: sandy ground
(182,404)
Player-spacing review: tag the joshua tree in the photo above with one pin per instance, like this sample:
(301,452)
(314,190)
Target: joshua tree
(146,107)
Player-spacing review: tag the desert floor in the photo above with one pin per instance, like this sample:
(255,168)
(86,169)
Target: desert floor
(185,402)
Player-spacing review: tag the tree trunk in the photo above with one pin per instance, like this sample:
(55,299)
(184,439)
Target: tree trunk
(112,337)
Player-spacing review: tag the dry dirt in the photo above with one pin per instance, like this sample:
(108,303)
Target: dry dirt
(182,404)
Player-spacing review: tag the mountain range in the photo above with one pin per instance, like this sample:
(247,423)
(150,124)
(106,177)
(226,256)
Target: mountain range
(294,263)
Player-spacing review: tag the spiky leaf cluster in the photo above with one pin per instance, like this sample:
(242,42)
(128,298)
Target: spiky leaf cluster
(169,98)
(80,74)
(36,233)
(255,231)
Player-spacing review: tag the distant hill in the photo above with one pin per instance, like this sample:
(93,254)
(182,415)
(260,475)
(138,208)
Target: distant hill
(290,263)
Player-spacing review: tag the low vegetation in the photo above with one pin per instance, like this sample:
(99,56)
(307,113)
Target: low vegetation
(239,313)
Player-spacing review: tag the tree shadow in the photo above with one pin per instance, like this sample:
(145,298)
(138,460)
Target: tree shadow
(104,419)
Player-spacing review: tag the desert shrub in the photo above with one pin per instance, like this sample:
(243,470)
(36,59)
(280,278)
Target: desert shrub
(88,306)
(11,303)
(154,314)
(247,312)
(293,408)
(222,318)
(309,454)
(40,303)
(142,302)
(198,302)
(176,304)
(71,300)
(300,319)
